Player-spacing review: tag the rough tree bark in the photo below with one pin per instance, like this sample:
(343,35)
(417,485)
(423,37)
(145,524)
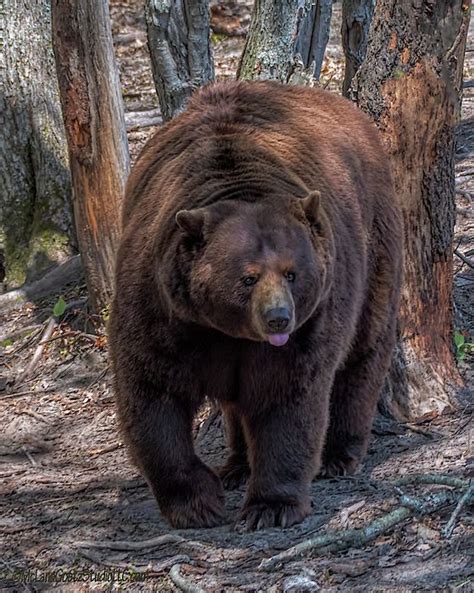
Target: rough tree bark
(410,84)
(95,129)
(270,43)
(35,215)
(356,19)
(286,41)
(180,49)
(313,35)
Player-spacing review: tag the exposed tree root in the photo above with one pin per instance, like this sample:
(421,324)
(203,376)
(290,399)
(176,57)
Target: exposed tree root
(465,259)
(68,272)
(438,479)
(181,582)
(125,545)
(465,499)
(48,332)
(341,540)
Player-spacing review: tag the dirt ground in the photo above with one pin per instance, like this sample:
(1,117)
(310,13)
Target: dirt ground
(72,501)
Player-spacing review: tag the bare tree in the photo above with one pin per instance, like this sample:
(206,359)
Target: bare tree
(286,41)
(95,128)
(35,191)
(410,84)
(313,35)
(180,48)
(356,19)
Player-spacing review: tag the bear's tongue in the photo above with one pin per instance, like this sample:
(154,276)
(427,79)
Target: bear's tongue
(278,339)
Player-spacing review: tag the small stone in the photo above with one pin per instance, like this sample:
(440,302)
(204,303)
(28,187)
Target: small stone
(295,584)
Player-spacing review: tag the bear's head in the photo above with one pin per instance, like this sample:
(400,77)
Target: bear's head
(254,270)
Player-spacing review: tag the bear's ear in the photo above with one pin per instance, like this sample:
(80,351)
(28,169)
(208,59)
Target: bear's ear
(191,221)
(311,205)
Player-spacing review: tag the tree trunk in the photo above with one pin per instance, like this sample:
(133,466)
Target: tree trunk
(286,41)
(410,84)
(180,48)
(313,36)
(269,48)
(356,19)
(36,227)
(95,129)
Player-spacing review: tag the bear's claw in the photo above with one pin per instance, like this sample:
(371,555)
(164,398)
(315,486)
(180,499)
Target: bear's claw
(204,507)
(272,514)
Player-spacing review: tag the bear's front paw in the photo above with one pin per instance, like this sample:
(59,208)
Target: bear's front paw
(198,503)
(234,473)
(260,515)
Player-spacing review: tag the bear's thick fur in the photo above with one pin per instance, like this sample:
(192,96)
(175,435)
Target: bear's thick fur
(260,266)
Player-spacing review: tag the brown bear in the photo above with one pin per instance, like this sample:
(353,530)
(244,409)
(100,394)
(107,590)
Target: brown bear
(260,266)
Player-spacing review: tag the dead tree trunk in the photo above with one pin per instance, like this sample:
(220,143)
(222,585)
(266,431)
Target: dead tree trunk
(95,129)
(180,48)
(356,19)
(410,85)
(286,41)
(313,36)
(269,48)
(35,190)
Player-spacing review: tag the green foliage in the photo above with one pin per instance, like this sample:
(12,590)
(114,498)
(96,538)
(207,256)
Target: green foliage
(462,347)
(105,314)
(398,74)
(59,307)
(6,342)
(216,37)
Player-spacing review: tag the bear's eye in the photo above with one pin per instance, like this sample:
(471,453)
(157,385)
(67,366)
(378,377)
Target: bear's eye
(250,280)
(290,276)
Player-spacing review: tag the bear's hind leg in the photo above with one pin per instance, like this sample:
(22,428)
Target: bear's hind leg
(236,469)
(159,434)
(353,404)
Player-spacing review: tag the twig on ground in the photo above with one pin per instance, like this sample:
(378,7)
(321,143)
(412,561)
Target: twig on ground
(100,376)
(328,81)
(15,472)
(125,545)
(465,259)
(181,582)
(465,194)
(29,456)
(25,343)
(426,505)
(35,415)
(465,499)
(150,568)
(343,539)
(23,393)
(71,334)
(46,337)
(417,429)
(50,327)
(19,332)
(438,479)
(108,449)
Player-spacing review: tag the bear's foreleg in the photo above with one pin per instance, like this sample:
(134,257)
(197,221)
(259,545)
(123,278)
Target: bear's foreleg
(159,434)
(285,447)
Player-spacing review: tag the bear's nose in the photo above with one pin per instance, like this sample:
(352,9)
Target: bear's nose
(277,319)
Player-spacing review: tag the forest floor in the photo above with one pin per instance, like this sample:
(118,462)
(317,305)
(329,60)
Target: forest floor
(72,501)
